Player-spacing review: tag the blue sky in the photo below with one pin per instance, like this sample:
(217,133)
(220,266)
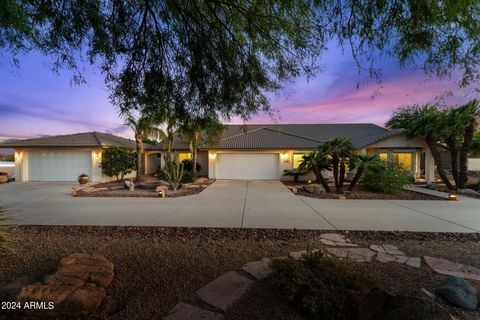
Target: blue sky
(34,101)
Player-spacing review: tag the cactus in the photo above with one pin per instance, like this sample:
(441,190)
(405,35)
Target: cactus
(173,171)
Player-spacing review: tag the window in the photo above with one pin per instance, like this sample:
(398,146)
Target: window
(405,159)
(383,156)
(184,155)
(297,159)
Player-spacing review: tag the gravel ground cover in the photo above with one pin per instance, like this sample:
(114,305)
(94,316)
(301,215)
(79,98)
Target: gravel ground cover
(360,193)
(156,267)
(146,189)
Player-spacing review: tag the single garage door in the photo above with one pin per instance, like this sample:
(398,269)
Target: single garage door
(57,165)
(254,166)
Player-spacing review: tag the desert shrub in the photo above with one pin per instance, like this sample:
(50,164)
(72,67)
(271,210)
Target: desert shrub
(188,165)
(318,286)
(118,162)
(188,177)
(295,172)
(3,230)
(391,179)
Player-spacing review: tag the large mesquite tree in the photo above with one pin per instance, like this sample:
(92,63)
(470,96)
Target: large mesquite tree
(222,57)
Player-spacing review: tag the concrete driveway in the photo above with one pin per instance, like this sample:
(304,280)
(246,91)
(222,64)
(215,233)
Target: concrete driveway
(237,204)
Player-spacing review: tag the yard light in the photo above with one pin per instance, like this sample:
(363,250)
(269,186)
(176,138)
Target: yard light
(309,181)
(452,196)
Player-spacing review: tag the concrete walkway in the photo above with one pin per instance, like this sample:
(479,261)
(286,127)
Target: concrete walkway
(236,204)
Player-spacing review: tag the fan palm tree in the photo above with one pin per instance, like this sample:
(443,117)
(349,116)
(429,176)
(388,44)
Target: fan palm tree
(316,162)
(339,151)
(144,127)
(362,163)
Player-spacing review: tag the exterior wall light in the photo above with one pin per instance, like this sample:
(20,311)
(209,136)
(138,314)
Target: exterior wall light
(212,156)
(452,196)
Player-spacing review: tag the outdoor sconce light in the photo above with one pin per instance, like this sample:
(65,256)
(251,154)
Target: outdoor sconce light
(452,196)
(212,156)
(284,156)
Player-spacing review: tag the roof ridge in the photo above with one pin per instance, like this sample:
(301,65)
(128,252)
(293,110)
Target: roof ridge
(96,138)
(294,135)
(243,133)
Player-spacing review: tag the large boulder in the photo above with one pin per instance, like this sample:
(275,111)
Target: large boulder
(76,289)
(458,292)
(380,305)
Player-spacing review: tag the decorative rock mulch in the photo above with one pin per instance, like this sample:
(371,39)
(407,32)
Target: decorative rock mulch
(76,289)
(225,290)
(450,268)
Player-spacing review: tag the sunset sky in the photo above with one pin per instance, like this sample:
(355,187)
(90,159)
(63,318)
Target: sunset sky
(35,102)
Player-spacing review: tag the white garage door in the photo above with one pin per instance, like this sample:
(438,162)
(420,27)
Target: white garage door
(58,165)
(259,166)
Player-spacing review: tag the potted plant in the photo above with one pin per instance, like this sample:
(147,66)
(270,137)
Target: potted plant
(83,178)
(3,177)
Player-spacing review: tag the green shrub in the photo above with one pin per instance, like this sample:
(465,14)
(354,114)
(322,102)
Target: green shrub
(118,162)
(188,165)
(391,179)
(188,177)
(318,286)
(296,173)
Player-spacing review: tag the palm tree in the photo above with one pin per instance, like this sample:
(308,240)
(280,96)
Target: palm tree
(362,163)
(199,132)
(317,161)
(144,127)
(339,151)
(428,123)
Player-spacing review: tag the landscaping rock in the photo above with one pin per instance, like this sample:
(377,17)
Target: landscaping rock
(414,262)
(401,259)
(384,257)
(88,268)
(378,304)
(450,268)
(224,290)
(76,289)
(469,192)
(354,254)
(83,300)
(328,242)
(184,311)
(259,269)
(458,292)
(312,188)
(335,237)
(129,185)
(377,248)
(392,250)
(432,186)
(299,254)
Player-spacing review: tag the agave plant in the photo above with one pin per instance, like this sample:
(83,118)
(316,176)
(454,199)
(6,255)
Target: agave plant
(173,171)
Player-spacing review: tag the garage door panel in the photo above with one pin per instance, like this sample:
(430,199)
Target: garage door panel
(54,165)
(258,166)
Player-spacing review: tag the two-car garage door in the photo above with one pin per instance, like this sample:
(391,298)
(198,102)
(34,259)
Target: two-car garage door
(58,165)
(254,166)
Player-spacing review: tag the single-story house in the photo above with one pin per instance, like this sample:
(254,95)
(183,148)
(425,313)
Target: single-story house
(244,152)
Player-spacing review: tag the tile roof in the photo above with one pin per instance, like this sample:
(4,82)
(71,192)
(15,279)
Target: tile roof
(87,139)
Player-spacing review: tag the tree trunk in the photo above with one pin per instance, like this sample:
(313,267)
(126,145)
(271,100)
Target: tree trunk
(452,146)
(295,177)
(432,144)
(139,159)
(341,178)
(194,153)
(356,178)
(321,179)
(335,162)
(467,141)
